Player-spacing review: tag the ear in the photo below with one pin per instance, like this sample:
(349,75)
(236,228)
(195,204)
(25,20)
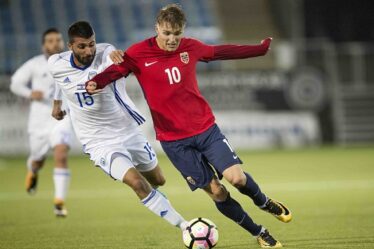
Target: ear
(70,46)
(157,28)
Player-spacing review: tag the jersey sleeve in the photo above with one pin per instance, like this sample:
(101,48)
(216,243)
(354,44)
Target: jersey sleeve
(204,51)
(51,64)
(106,56)
(52,68)
(231,52)
(58,92)
(21,79)
(115,72)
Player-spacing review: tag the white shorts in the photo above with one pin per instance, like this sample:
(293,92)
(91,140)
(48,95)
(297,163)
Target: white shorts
(61,133)
(136,152)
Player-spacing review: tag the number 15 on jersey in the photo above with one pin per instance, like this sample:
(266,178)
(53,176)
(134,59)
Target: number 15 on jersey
(84,99)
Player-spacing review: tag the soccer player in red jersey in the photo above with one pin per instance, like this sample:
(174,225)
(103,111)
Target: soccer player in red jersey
(165,67)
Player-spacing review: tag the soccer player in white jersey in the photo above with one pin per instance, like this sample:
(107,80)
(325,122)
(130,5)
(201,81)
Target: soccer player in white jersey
(107,124)
(34,82)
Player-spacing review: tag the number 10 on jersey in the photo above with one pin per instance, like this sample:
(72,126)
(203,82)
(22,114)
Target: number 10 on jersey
(174,75)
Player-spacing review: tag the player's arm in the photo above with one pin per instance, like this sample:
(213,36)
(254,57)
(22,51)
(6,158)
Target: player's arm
(111,74)
(57,112)
(20,81)
(232,52)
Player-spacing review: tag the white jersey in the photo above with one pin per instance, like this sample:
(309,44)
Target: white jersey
(101,119)
(34,75)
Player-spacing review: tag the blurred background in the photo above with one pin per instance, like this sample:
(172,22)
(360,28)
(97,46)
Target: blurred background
(315,86)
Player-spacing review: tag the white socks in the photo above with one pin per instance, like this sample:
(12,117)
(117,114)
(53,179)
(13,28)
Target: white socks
(159,205)
(61,178)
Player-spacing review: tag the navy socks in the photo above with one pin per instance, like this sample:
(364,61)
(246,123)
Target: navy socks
(252,190)
(232,209)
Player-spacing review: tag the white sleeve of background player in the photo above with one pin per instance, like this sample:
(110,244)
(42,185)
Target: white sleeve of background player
(58,93)
(51,67)
(21,79)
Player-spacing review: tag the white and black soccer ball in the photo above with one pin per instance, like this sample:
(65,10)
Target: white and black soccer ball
(200,234)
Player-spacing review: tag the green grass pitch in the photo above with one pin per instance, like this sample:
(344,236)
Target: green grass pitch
(329,190)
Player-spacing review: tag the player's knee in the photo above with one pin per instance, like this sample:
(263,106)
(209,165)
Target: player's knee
(235,176)
(238,181)
(160,180)
(61,156)
(219,193)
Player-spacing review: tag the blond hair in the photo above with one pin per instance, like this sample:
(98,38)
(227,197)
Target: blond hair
(173,14)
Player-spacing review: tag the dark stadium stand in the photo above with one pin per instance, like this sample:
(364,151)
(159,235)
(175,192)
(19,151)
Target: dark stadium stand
(115,21)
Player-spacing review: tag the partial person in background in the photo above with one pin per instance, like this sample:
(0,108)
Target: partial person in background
(34,82)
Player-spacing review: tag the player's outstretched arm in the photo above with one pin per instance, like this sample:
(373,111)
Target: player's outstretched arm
(57,113)
(230,52)
(20,83)
(111,74)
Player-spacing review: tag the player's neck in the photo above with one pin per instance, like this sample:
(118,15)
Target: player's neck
(77,63)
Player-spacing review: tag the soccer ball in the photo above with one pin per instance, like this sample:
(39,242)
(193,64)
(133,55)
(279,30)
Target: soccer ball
(201,234)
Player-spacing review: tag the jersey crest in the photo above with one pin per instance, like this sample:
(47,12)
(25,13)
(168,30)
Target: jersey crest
(184,57)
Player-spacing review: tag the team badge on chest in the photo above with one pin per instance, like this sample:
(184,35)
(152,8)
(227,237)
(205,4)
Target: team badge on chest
(184,57)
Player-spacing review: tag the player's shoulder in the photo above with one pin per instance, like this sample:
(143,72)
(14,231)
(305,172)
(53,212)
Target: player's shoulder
(189,41)
(102,54)
(59,58)
(102,47)
(58,61)
(141,46)
(35,60)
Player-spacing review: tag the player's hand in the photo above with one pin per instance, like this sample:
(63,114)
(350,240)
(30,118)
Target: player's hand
(117,56)
(36,95)
(266,43)
(91,87)
(58,114)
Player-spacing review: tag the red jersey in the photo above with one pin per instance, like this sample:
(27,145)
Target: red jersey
(169,83)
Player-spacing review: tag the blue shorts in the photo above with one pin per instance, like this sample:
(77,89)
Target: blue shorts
(200,157)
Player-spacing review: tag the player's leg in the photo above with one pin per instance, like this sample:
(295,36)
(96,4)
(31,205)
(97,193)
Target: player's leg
(230,207)
(145,158)
(61,178)
(194,168)
(247,186)
(60,140)
(38,150)
(155,177)
(233,210)
(121,169)
(33,167)
(222,156)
